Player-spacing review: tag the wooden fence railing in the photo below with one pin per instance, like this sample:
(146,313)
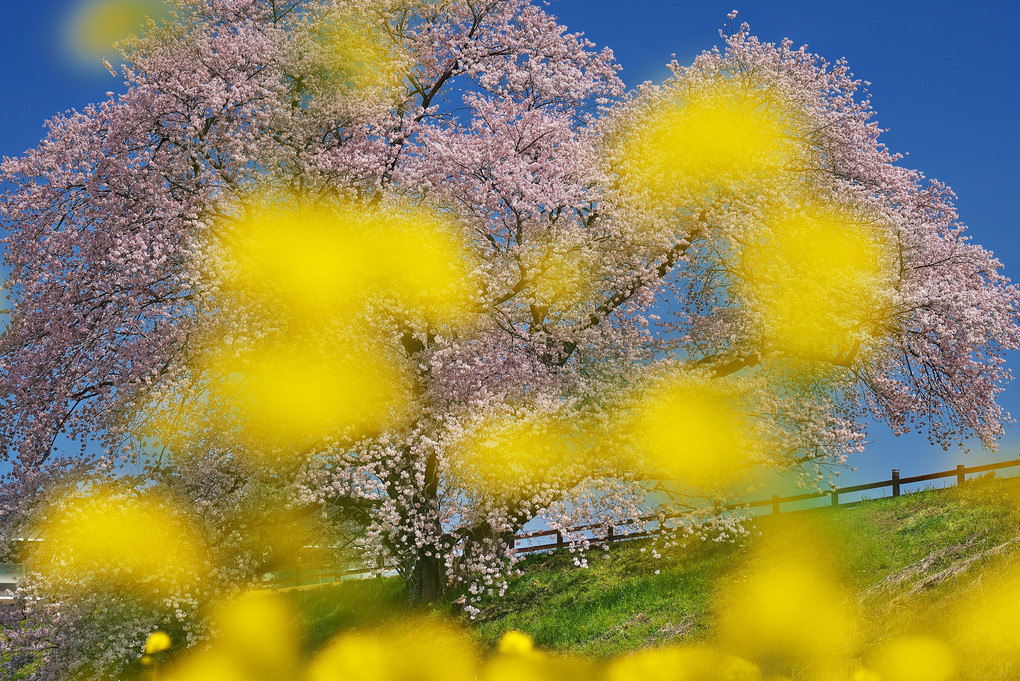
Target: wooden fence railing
(613,533)
(609,533)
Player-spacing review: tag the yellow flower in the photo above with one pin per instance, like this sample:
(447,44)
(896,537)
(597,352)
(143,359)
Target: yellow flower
(97,25)
(516,643)
(157,642)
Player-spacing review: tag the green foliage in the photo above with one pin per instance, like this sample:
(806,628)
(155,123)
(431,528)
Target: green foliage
(907,559)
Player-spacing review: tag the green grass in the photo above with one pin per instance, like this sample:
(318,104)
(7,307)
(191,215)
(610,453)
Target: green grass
(329,608)
(617,603)
(906,558)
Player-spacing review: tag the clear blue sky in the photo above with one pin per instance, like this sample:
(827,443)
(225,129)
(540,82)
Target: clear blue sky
(944,82)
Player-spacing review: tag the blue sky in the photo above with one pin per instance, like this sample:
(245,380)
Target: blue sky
(944,82)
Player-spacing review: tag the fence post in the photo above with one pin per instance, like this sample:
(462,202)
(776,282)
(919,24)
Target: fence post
(775,504)
(961,477)
(835,497)
(378,566)
(609,535)
(559,539)
(896,482)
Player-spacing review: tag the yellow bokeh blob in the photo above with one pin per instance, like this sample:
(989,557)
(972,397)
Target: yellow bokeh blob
(134,543)
(786,607)
(985,620)
(260,630)
(358,56)
(255,636)
(509,455)
(96,25)
(415,649)
(516,642)
(914,658)
(209,665)
(819,279)
(866,674)
(519,660)
(293,392)
(157,642)
(559,279)
(309,332)
(300,260)
(693,663)
(324,263)
(693,428)
(699,141)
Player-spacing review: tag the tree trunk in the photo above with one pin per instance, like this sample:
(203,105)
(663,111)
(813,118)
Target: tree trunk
(425,579)
(425,575)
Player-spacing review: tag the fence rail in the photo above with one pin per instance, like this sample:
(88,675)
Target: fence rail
(620,532)
(612,532)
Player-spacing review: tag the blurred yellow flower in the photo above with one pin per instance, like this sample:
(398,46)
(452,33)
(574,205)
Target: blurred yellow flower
(157,642)
(509,452)
(516,643)
(819,279)
(209,665)
(95,25)
(287,394)
(519,664)
(985,620)
(416,649)
(136,543)
(316,265)
(300,343)
(865,674)
(786,608)
(914,658)
(693,428)
(258,629)
(697,141)
(694,663)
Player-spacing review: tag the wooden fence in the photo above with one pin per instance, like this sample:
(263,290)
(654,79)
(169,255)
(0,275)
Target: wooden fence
(612,533)
(601,533)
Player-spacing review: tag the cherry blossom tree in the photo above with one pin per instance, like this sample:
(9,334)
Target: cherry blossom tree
(654,293)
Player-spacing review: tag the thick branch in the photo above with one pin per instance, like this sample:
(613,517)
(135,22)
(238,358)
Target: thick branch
(673,256)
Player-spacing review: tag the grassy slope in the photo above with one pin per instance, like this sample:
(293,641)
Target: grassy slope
(908,558)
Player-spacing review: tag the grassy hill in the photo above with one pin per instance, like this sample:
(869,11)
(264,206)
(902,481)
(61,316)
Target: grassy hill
(907,560)
(922,563)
